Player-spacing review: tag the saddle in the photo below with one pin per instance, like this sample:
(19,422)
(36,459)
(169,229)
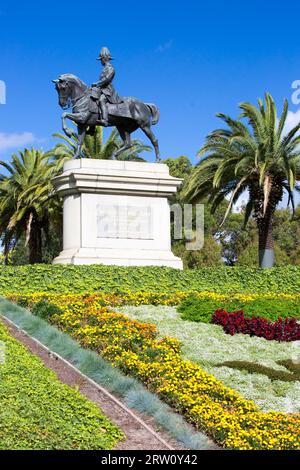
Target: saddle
(119,109)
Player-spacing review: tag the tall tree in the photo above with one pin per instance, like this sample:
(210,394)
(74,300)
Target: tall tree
(26,201)
(94,146)
(259,157)
(210,253)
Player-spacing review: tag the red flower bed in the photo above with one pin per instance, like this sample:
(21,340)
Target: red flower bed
(282,330)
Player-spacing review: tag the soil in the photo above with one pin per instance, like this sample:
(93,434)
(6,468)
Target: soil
(138,437)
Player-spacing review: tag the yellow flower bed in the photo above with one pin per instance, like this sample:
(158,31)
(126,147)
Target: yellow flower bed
(234,422)
(151,298)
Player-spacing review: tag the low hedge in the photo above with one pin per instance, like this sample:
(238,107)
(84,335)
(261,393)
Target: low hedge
(117,279)
(39,412)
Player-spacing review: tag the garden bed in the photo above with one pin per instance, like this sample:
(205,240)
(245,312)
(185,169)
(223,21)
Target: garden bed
(232,420)
(258,369)
(39,412)
(137,428)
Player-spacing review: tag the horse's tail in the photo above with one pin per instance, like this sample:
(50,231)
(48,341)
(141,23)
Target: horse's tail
(154,111)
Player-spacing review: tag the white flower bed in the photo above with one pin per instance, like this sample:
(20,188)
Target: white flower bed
(209,346)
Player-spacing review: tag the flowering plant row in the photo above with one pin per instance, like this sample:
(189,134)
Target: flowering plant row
(128,297)
(134,347)
(112,299)
(281,330)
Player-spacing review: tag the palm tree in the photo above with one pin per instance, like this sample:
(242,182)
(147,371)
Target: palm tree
(260,157)
(26,200)
(94,146)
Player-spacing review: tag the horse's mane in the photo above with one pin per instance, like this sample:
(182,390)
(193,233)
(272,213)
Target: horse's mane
(73,79)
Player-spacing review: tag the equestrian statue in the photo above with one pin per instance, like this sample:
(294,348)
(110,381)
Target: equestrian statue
(100,105)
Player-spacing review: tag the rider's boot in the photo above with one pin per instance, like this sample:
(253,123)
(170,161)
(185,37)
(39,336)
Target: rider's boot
(104,120)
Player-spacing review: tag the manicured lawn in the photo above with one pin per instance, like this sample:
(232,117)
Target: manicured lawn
(272,386)
(39,412)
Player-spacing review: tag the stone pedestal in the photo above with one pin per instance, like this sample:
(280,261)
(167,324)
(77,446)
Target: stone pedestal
(116,213)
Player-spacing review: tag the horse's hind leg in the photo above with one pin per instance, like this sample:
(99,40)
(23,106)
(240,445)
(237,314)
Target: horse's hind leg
(147,130)
(126,137)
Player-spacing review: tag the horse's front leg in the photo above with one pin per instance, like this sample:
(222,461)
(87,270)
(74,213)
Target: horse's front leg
(69,132)
(81,136)
(77,118)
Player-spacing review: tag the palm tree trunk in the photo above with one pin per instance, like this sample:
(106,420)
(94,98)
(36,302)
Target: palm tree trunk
(6,252)
(35,242)
(266,242)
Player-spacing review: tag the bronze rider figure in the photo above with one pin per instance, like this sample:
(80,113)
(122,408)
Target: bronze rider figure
(107,92)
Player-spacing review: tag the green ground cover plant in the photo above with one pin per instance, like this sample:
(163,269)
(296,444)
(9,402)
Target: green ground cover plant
(39,412)
(117,279)
(198,309)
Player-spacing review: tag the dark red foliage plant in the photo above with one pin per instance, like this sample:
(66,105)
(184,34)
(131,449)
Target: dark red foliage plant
(286,329)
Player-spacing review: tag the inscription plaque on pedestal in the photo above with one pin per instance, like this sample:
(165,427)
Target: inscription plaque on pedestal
(124,221)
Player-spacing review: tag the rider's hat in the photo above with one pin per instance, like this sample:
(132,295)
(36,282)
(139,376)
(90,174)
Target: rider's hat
(104,54)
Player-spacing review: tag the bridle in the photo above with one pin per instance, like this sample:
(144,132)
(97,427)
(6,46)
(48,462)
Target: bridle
(72,102)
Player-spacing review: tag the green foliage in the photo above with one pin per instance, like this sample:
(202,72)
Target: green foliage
(180,167)
(39,412)
(273,374)
(26,200)
(94,146)
(271,308)
(256,156)
(201,310)
(117,279)
(209,255)
(45,310)
(51,246)
(242,244)
(22,302)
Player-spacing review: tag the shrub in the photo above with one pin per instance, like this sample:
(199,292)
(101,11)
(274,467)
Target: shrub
(281,330)
(45,310)
(22,302)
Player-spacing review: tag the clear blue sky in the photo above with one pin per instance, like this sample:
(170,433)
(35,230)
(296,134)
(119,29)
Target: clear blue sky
(192,58)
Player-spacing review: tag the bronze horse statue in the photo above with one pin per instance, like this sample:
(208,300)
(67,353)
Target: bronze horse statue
(128,116)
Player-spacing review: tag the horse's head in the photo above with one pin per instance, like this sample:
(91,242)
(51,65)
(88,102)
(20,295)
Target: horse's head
(64,91)
(68,87)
